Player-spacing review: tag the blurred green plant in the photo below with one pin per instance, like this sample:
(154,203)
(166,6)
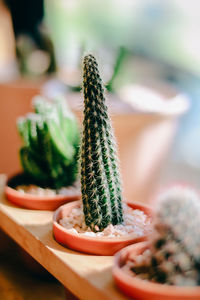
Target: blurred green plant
(81,27)
(159,31)
(50,143)
(122,53)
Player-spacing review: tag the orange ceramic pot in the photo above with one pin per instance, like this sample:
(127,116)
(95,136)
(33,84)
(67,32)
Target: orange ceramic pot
(92,245)
(137,288)
(35,201)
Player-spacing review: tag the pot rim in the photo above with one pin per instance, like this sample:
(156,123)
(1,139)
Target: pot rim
(146,209)
(12,191)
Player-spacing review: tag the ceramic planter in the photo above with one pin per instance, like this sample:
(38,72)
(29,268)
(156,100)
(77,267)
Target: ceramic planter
(137,288)
(34,201)
(92,245)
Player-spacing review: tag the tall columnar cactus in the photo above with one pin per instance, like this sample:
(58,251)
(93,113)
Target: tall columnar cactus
(100,179)
(50,143)
(175,244)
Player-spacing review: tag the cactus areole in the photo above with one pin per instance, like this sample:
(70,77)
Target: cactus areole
(100,178)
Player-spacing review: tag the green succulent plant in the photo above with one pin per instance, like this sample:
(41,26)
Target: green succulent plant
(100,178)
(50,143)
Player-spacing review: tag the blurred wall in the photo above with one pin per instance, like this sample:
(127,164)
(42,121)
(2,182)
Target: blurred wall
(15,101)
(8,67)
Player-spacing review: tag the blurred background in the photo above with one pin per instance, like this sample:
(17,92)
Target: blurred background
(156,42)
(149,57)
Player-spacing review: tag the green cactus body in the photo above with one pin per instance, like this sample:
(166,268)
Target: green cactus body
(100,179)
(175,241)
(51,138)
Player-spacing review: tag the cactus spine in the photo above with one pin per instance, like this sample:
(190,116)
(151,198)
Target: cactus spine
(100,179)
(175,243)
(50,143)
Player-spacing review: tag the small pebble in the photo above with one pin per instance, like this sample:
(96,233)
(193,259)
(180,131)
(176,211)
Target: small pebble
(36,190)
(136,222)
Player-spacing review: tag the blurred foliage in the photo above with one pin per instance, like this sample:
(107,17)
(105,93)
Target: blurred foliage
(163,31)
(34,47)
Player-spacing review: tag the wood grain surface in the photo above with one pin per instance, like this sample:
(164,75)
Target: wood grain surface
(86,276)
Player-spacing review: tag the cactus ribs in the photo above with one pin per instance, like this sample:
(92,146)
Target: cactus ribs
(100,178)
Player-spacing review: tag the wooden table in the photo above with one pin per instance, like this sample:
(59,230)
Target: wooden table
(86,276)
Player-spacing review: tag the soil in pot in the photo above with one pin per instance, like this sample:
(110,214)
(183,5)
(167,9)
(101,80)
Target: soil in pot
(70,230)
(22,191)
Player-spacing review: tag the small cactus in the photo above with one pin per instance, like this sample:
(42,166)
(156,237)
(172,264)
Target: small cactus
(100,179)
(175,242)
(50,143)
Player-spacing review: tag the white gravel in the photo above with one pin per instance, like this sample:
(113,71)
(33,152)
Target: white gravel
(36,190)
(136,222)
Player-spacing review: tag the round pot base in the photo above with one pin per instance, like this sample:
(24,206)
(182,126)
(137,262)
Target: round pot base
(93,245)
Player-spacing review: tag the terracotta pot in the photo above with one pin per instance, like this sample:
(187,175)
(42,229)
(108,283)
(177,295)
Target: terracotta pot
(92,245)
(137,288)
(34,201)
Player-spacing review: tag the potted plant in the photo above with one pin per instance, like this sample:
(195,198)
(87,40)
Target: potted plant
(101,223)
(48,156)
(167,266)
(142,112)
